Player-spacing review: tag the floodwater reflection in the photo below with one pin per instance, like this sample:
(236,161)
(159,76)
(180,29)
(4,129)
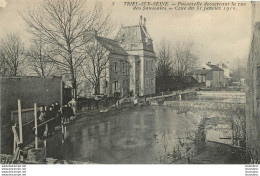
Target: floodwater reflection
(148,135)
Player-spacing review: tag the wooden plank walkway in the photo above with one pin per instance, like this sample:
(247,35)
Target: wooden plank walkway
(174,93)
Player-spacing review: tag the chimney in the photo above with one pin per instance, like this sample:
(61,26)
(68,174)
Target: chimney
(141,20)
(89,35)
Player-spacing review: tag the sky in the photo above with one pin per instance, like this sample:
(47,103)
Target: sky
(220,36)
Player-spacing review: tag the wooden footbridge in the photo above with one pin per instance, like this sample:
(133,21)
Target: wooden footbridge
(175,95)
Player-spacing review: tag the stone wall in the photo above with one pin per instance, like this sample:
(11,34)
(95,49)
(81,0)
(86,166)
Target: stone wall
(252,98)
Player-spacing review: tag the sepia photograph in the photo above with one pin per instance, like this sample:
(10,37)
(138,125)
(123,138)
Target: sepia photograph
(129,82)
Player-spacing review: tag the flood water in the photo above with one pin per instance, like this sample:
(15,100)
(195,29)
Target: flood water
(145,135)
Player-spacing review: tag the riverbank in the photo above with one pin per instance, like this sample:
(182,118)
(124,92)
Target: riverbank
(216,153)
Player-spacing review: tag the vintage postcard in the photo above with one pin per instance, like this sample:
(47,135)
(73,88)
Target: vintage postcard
(129,82)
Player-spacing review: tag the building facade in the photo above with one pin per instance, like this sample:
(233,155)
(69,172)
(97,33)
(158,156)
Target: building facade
(215,78)
(253,89)
(131,62)
(226,69)
(138,44)
(210,76)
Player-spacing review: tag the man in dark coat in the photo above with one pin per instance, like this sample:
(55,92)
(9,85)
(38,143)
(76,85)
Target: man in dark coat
(58,113)
(51,125)
(65,113)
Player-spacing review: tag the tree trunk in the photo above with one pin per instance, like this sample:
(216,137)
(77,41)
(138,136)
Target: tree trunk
(74,88)
(97,88)
(73,78)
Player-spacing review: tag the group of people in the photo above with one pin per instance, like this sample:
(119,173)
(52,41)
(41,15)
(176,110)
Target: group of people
(54,115)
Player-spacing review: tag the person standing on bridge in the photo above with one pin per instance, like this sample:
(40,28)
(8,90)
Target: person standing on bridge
(51,125)
(41,114)
(41,118)
(65,113)
(57,112)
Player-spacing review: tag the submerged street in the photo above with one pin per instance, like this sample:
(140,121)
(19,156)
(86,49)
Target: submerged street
(148,135)
(145,135)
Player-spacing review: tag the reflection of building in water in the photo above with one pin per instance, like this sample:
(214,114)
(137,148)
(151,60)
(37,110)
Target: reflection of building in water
(253,88)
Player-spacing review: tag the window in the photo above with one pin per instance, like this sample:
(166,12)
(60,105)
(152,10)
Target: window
(152,82)
(146,66)
(115,66)
(149,68)
(123,68)
(146,82)
(126,69)
(116,85)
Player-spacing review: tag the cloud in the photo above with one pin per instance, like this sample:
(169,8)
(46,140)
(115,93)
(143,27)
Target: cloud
(3,3)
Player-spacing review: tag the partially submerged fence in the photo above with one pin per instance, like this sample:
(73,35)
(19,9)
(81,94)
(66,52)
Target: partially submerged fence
(27,131)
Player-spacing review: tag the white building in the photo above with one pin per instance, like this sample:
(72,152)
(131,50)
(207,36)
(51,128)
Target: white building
(226,69)
(130,68)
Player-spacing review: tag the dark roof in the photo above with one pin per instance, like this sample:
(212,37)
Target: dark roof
(202,71)
(111,45)
(215,68)
(135,38)
(132,33)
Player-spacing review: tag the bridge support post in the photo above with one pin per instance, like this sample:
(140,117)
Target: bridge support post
(35,125)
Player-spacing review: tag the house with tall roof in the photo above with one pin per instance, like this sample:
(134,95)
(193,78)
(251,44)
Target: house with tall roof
(130,64)
(139,45)
(210,76)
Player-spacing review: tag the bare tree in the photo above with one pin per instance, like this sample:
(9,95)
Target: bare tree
(238,69)
(235,117)
(186,58)
(178,59)
(96,64)
(3,65)
(39,58)
(62,24)
(97,50)
(11,52)
(165,59)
